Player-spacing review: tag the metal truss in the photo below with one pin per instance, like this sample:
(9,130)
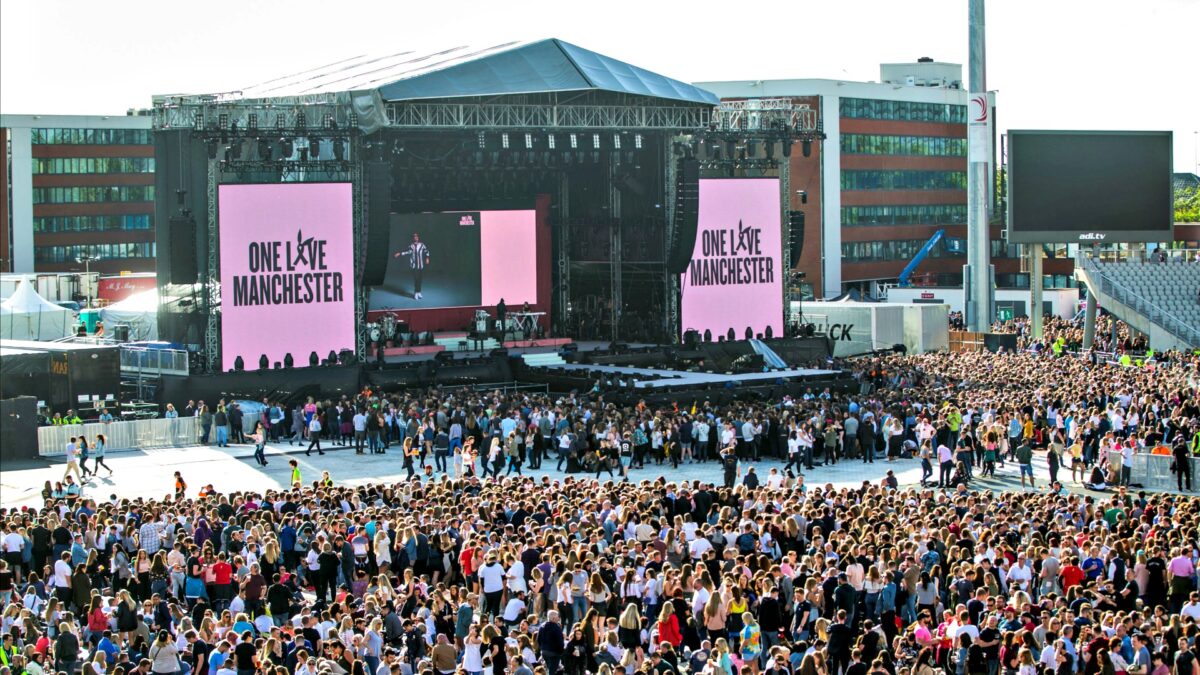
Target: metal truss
(359,228)
(212,277)
(425,115)
(205,113)
(761,114)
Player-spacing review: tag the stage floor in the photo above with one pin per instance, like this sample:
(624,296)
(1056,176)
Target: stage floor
(672,378)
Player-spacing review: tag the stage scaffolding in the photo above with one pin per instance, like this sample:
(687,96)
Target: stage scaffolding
(215,123)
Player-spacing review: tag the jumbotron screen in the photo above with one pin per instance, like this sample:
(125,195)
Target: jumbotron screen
(1089,186)
(734,279)
(287,271)
(459,259)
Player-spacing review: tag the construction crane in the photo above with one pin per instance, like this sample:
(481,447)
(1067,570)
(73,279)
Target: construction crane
(905,279)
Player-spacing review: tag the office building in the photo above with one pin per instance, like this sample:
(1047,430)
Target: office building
(78,187)
(891,173)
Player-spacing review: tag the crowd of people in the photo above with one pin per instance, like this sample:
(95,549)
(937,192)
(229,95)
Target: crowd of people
(471,567)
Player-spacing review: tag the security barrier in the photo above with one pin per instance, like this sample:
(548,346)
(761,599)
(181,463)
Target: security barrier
(1154,471)
(130,435)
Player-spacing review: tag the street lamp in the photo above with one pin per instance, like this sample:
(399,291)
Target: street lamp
(87,261)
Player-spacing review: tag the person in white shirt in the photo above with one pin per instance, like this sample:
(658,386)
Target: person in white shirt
(73,461)
(699,546)
(1192,607)
(62,576)
(492,577)
(516,575)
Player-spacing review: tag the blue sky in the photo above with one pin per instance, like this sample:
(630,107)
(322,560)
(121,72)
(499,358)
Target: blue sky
(1089,64)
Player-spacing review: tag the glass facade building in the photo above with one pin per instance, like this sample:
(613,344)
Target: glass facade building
(81,187)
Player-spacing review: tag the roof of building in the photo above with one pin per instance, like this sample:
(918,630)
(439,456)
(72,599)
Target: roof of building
(511,68)
(1185,180)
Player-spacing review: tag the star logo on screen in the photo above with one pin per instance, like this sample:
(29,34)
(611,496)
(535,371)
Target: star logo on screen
(743,239)
(304,249)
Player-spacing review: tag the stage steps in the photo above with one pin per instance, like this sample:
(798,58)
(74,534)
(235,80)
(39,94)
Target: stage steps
(769,356)
(543,359)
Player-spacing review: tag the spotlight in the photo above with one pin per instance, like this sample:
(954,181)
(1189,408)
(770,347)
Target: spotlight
(280,122)
(239,364)
(264,150)
(339,149)
(301,120)
(198,122)
(235,149)
(550,142)
(616,141)
(637,141)
(314,360)
(595,141)
(333,357)
(223,124)
(352,120)
(482,140)
(263,362)
(504,141)
(330,123)
(314,149)
(286,149)
(252,122)
(288,361)
(574,141)
(806,148)
(528,141)
(787,148)
(211,146)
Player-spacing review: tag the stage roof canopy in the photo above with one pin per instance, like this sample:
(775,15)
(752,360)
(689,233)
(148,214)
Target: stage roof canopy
(508,69)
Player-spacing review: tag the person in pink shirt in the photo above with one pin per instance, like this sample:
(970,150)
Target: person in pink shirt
(1179,578)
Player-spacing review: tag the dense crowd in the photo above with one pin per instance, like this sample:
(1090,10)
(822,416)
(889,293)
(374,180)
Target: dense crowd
(471,567)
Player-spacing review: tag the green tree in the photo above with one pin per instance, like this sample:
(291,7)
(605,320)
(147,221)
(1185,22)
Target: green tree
(1187,205)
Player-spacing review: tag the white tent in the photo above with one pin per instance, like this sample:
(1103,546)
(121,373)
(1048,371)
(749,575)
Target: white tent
(139,311)
(28,316)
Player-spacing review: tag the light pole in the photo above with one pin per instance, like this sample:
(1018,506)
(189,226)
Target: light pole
(87,261)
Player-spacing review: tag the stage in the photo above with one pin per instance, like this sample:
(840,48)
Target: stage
(675,378)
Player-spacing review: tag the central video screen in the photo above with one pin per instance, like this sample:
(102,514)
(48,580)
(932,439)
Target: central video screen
(459,259)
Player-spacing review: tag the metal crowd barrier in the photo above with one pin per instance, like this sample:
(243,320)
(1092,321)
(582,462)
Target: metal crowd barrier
(125,435)
(1154,471)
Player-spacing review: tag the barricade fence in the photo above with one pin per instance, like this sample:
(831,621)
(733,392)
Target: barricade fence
(1153,471)
(135,434)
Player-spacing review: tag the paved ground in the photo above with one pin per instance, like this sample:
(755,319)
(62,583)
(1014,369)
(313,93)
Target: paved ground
(149,473)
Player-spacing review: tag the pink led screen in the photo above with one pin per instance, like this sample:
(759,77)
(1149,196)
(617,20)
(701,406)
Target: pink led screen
(287,271)
(734,279)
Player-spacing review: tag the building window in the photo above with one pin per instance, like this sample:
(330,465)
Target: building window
(924,214)
(920,146)
(905,111)
(90,136)
(68,254)
(72,165)
(51,224)
(78,195)
(895,249)
(871,179)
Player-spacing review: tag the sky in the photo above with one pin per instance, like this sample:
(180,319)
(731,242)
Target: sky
(1056,64)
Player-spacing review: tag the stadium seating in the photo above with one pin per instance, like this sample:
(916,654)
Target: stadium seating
(1165,293)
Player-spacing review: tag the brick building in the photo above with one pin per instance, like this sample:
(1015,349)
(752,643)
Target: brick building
(77,187)
(891,173)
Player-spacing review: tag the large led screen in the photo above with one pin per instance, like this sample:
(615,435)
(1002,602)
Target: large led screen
(287,271)
(734,278)
(459,259)
(1089,186)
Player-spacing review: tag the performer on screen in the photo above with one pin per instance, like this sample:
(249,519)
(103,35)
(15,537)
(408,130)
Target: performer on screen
(418,260)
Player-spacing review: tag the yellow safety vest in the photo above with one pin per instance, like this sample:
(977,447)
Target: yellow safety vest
(296,476)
